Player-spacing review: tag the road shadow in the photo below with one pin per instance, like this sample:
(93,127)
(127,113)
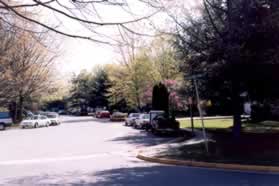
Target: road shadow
(105,120)
(152,176)
(78,121)
(86,120)
(142,138)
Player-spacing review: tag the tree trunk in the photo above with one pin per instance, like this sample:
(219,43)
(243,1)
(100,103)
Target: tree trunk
(13,111)
(138,100)
(20,109)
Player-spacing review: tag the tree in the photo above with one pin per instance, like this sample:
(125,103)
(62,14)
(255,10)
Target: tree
(130,81)
(160,98)
(80,92)
(100,85)
(138,70)
(117,93)
(176,102)
(90,89)
(8,40)
(229,36)
(163,54)
(26,67)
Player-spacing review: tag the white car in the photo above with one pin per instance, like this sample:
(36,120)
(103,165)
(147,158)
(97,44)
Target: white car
(131,119)
(35,121)
(54,118)
(142,121)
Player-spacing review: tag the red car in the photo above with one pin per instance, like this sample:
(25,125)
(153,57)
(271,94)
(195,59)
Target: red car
(103,114)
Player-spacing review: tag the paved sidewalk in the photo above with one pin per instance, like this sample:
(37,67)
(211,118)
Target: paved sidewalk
(166,148)
(166,154)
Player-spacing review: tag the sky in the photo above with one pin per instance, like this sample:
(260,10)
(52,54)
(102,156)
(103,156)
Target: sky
(77,54)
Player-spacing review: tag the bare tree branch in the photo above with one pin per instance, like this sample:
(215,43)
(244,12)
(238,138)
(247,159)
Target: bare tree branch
(49,27)
(26,5)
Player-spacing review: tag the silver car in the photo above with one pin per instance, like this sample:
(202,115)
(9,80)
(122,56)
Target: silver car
(131,119)
(142,121)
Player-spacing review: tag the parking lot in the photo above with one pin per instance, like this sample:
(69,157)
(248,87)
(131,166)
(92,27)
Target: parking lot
(78,144)
(88,151)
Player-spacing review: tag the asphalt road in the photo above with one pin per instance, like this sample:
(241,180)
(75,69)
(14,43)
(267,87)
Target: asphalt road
(85,151)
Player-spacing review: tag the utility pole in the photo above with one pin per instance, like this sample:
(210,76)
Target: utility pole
(201,115)
(191,116)
(194,78)
(190,100)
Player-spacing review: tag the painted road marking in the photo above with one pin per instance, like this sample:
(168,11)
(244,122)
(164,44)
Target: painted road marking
(68,158)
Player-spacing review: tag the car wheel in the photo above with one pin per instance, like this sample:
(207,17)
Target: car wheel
(36,125)
(47,124)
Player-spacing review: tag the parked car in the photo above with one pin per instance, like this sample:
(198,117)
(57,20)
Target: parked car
(118,116)
(53,117)
(62,112)
(153,114)
(103,114)
(27,113)
(5,120)
(35,121)
(131,119)
(143,121)
(162,124)
(83,112)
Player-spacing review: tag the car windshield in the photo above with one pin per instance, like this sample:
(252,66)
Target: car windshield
(145,116)
(134,115)
(32,117)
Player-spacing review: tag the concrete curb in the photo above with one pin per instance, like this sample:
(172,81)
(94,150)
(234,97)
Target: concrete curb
(191,163)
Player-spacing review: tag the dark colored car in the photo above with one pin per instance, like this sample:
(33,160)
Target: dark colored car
(5,120)
(103,114)
(162,124)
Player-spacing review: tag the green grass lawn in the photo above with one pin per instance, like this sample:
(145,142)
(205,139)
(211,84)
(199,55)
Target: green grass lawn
(265,126)
(209,123)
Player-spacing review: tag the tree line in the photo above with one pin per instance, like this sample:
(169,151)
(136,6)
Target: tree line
(232,44)
(127,84)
